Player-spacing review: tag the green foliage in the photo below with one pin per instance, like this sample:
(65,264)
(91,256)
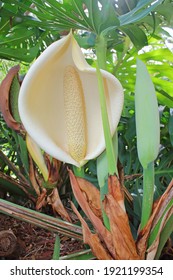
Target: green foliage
(14,163)
(132,29)
(27,27)
(56,253)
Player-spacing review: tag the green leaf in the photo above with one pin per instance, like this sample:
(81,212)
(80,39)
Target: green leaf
(86,40)
(164,98)
(14,94)
(22,152)
(161,55)
(19,54)
(136,35)
(71,14)
(165,217)
(142,9)
(165,234)
(105,17)
(164,84)
(56,251)
(162,70)
(11,185)
(124,6)
(166,10)
(16,34)
(82,255)
(170,126)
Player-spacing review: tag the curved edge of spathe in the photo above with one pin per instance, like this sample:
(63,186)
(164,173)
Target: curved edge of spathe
(44,143)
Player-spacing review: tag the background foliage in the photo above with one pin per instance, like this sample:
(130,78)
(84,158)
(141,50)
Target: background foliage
(134,28)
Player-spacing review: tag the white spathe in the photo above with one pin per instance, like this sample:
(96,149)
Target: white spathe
(42,102)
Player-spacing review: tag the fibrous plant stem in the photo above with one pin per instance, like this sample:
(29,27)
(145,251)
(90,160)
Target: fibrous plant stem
(148,191)
(101,48)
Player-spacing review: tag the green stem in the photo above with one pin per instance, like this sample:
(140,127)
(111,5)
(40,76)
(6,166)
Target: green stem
(101,48)
(148,191)
(56,251)
(78,171)
(125,51)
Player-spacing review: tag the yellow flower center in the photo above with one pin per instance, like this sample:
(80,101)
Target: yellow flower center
(75,114)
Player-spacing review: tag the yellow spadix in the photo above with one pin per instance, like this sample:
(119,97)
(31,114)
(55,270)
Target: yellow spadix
(59,103)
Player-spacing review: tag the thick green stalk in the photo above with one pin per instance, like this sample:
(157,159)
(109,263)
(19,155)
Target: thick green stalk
(148,191)
(101,48)
(79,171)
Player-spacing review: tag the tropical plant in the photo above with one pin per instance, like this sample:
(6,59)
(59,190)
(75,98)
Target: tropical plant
(137,160)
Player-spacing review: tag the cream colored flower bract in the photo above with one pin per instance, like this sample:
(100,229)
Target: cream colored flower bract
(59,103)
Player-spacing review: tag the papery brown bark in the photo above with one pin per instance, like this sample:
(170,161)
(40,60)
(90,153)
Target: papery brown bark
(92,239)
(32,176)
(57,205)
(4,101)
(53,166)
(123,241)
(118,242)
(114,188)
(92,196)
(121,177)
(104,234)
(41,200)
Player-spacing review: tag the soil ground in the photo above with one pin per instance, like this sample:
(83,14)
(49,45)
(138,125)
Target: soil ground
(35,243)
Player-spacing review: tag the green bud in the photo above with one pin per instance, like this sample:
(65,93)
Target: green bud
(147,116)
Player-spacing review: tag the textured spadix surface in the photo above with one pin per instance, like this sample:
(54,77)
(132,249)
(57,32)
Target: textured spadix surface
(59,103)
